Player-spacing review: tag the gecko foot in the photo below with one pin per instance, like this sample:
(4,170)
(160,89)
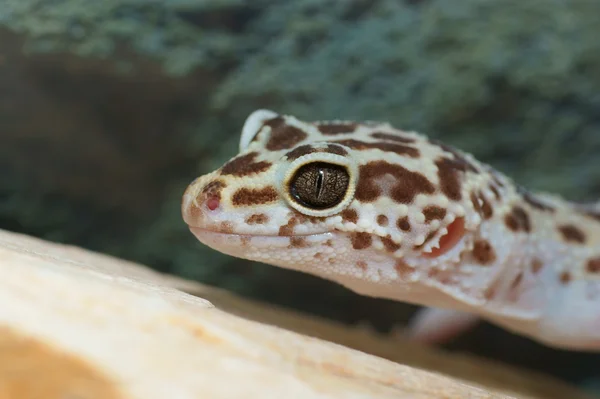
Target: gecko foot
(438,326)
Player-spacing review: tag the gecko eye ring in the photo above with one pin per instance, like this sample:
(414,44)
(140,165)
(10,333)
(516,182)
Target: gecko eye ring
(319,184)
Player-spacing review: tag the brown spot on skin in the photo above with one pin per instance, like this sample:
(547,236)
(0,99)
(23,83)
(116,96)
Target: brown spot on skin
(446,277)
(449,173)
(300,151)
(336,149)
(392,137)
(495,175)
(349,215)
(282,135)
(565,277)
(226,227)
(433,212)
(288,228)
(481,205)
(571,233)
(433,272)
(194,212)
(516,281)
(496,192)
(245,240)
(403,223)
(483,252)
(407,184)
(490,292)
(593,265)
(305,218)
(486,208)
(245,165)
(382,220)
(518,220)
(389,244)
(460,159)
(257,218)
(254,196)
(536,265)
(399,149)
(514,292)
(329,243)
(476,205)
(298,242)
(309,149)
(318,255)
(403,269)
(511,222)
(213,189)
(496,178)
(533,201)
(336,128)
(362,264)
(361,240)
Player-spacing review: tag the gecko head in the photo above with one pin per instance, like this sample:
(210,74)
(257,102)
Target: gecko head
(340,199)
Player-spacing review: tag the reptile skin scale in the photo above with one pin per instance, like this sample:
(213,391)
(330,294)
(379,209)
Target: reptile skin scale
(397,215)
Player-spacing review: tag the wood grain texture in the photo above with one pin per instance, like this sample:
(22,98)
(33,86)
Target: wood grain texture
(137,336)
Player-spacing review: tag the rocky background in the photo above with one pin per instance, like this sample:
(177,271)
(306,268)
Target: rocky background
(108,109)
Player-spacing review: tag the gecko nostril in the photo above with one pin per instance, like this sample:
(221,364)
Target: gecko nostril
(212,203)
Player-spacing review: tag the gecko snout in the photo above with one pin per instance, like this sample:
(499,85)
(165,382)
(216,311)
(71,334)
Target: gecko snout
(201,201)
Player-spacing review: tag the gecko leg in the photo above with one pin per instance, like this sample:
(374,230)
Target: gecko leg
(437,326)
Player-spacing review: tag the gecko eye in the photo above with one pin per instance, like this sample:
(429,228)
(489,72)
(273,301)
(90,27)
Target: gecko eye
(319,185)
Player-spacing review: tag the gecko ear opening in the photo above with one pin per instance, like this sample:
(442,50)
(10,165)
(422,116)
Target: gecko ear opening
(253,125)
(456,231)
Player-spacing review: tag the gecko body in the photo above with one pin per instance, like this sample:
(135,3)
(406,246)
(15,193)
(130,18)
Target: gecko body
(394,214)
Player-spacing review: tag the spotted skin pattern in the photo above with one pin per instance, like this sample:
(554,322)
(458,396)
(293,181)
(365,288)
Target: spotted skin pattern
(415,221)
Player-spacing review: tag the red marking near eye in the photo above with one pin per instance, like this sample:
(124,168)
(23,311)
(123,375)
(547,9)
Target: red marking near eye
(456,231)
(212,203)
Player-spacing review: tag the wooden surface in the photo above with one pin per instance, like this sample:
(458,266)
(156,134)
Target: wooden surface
(79,324)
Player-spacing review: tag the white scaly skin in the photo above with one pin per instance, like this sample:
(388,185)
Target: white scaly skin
(528,262)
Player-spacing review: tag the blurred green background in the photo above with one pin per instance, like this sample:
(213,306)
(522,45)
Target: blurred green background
(108,109)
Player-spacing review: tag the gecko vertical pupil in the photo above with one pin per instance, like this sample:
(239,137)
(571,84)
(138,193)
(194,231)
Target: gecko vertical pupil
(319,185)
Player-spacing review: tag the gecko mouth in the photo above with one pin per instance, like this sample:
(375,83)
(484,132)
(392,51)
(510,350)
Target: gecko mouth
(240,245)
(234,244)
(202,230)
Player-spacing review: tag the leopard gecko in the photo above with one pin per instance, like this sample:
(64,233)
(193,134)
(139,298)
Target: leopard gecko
(394,214)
